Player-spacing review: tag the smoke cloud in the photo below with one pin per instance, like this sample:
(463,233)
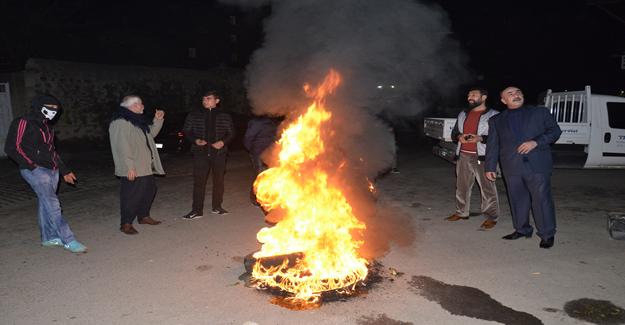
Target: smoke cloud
(396,57)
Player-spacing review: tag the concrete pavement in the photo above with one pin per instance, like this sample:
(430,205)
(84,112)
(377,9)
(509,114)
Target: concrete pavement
(187,272)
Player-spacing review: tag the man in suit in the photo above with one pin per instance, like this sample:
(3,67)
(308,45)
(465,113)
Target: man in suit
(520,139)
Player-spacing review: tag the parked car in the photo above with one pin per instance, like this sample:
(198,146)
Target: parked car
(171,138)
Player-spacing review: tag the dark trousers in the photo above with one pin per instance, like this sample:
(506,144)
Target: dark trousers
(259,167)
(202,166)
(136,198)
(532,191)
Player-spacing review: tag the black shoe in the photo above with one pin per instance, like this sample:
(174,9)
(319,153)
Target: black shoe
(516,235)
(192,215)
(219,210)
(546,243)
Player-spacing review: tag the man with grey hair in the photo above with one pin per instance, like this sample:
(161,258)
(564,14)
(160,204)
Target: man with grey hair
(520,140)
(136,161)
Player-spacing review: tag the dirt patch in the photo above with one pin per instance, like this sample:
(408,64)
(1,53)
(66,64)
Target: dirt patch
(381,319)
(600,312)
(468,301)
(203,268)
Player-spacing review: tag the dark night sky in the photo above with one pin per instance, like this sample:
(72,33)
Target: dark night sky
(543,44)
(534,44)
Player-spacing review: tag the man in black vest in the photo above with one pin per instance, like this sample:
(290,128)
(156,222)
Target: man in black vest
(210,130)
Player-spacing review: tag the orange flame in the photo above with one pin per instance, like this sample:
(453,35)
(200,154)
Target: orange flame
(318,220)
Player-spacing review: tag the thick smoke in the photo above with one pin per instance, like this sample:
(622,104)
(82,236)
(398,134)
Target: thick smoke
(401,45)
(395,57)
(398,43)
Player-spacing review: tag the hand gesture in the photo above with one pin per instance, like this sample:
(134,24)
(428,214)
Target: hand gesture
(475,138)
(132,174)
(70,178)
(469,138)
(200,142)
(159,114)
(491,176)
(526,147)
(218,145)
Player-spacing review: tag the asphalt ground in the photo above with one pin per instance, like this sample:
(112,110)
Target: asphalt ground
(190,272)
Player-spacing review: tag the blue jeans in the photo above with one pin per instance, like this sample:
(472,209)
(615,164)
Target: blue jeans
(52,225)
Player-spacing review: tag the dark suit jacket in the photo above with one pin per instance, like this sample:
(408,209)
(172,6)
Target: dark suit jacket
(536,124)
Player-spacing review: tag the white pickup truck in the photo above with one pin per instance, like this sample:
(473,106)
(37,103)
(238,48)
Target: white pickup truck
(593,130)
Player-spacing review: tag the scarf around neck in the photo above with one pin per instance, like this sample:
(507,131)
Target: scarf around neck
(137,120)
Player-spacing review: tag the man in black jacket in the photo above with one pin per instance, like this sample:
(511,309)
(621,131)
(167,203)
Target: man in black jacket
(30,143)
(209,130)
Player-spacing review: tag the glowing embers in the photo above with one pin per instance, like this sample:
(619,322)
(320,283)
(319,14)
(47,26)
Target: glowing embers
(311,248)
(376,275)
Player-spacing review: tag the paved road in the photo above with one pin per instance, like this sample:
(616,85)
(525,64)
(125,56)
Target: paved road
(433,271)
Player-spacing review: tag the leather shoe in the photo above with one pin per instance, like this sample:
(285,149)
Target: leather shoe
(456,217)
(128,229)
(149,221)
(488,224)
(546,243)
(516,235)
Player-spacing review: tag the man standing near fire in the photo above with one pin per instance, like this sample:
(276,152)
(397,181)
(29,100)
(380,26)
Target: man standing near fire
(260,135)
(30,143)
(471,133)
(210,130)
(520,139)
(136,161)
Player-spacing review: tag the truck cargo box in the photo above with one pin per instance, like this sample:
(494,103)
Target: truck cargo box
(438,128)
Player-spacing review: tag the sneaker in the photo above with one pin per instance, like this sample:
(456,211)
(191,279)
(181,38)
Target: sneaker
(52,243)
(394,171)
(75,247)
(219,210)
(192,215)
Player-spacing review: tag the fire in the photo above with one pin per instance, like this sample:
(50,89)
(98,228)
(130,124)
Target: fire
(317,220)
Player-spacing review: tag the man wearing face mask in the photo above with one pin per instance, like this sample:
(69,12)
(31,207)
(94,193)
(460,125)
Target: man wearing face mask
(30,143)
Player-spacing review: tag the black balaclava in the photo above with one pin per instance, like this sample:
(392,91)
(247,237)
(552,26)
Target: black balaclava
(38,106)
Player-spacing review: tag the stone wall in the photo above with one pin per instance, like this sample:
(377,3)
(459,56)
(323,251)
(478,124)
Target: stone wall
(91,92)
